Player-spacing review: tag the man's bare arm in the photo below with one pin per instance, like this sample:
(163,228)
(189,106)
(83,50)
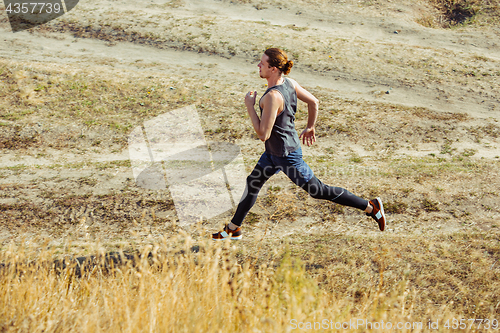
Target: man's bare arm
(309,133)
(271,105)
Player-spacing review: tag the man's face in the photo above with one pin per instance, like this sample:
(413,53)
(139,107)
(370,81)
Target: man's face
(264,68)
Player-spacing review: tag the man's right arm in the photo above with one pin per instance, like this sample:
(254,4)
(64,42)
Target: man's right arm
(271,105)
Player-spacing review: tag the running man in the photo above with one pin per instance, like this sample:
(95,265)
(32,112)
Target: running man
(283,152)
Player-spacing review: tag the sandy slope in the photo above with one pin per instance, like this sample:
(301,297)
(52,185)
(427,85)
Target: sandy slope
(339,22)
(372,39)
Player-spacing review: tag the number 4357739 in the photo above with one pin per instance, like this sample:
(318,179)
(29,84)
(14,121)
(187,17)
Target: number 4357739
(33,8)
(471,323)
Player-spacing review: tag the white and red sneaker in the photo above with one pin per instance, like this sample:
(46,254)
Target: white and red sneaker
(228,233)
(378,213)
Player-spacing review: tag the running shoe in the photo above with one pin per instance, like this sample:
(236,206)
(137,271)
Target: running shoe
(378,213)
(227,233)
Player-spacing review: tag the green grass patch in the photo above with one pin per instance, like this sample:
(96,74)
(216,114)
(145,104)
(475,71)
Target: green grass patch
(431,166)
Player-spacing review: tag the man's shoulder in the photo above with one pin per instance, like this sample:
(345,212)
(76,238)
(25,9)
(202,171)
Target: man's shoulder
(293,82)
(274,94)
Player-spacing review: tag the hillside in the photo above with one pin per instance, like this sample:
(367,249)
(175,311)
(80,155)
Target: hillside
(409,111)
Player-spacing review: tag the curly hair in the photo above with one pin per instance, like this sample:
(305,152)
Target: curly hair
(279,59)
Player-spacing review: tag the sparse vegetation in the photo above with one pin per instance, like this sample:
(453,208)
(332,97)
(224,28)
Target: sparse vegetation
(429,205)
(451,13)
(458,11)
(67,189)
(396,207)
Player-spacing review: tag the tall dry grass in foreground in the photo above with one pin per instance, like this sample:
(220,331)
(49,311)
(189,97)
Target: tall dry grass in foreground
(183,287)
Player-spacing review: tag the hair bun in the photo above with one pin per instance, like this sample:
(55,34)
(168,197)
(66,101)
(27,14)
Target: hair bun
(288,66)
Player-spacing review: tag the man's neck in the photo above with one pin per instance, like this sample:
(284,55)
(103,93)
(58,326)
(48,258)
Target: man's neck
(274,81)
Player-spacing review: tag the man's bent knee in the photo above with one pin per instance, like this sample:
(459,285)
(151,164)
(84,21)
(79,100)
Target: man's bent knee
(314,188)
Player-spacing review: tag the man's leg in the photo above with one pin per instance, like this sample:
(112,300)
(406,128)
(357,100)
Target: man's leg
(301,174)
(341,196)
(373,208)
(255,181)
(260,174)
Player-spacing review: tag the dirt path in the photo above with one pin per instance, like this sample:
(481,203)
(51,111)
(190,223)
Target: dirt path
(69,50)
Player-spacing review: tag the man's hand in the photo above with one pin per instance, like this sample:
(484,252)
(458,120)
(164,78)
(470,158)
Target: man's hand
(250,99)
(308,136)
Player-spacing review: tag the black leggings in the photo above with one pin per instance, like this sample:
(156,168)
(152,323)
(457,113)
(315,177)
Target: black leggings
(314,187)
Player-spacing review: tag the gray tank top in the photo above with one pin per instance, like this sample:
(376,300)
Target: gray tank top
(284,138)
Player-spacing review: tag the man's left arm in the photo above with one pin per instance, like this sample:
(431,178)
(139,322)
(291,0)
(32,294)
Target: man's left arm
(308,135)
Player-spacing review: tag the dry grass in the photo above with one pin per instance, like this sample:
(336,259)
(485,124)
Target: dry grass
(186,286)
(462,12)
(93,100)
